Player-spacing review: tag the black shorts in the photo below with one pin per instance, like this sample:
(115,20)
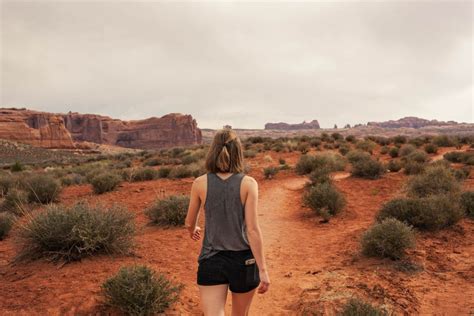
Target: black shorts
(229,267)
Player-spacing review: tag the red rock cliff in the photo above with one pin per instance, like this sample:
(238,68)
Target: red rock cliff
(412,122)
(314,124)
(62,130)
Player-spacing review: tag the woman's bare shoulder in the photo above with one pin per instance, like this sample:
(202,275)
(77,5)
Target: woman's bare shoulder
(200,180)
(248,180)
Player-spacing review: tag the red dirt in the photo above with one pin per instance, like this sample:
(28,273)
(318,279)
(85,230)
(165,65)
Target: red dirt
(313,266)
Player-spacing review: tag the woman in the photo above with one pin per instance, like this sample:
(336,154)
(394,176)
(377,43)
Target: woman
(232,253)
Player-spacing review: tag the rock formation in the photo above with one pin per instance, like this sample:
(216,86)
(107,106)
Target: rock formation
(411,122)
(314,124)
(52,130)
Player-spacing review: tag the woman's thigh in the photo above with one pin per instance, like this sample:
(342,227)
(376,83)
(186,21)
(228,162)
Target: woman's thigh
(213,299)
(241,303)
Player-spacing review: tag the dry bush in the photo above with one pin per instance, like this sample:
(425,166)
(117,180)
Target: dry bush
(307,163)
(388,239)
(14,201)
(138,290)
(366,145)
(368,169)
(6,182)
(394,165)
(144,174)
(180,172)
(62,233)
(467,203)
(394,152)
(324,197)
(270,172)
(356,155)
(429,213)
(170,211)
(357,307)
(164,172)
(6,223)
(105,182)
(435,180)
(42,188)
(431,148)
(406,149)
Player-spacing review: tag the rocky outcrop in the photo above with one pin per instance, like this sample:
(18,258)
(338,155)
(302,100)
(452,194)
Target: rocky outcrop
(411,122)
(51,130)
(314,124)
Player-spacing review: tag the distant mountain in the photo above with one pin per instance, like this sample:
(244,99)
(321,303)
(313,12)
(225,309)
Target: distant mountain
(59,130)
(314,124)
(411,122)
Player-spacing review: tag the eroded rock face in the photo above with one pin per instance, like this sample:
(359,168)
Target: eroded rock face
(52,130)
(411,122)
(314,124)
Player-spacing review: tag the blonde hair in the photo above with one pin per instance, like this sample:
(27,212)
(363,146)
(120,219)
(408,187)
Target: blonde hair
(225,153)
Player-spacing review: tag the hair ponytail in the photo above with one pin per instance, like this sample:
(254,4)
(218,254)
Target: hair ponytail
(225,153)
(223,160)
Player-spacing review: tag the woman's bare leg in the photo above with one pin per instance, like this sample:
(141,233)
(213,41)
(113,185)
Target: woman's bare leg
(241,303)
(213,299)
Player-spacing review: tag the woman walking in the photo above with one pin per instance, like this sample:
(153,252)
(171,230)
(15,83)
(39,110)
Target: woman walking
(232,255)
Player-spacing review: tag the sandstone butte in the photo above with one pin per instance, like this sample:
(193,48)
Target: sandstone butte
(314,124)
(57,130)
(411,122)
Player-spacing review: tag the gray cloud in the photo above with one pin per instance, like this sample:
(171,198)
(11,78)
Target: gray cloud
(243,63)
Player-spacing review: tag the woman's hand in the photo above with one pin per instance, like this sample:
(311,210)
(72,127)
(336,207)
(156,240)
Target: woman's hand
(264,282)
(196,234)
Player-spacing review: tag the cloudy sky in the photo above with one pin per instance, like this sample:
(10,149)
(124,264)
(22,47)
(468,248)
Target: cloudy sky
(241,63)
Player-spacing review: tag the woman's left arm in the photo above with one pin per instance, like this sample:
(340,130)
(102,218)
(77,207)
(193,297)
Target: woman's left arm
(193,212)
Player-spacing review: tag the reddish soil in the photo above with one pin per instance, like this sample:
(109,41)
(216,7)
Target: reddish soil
(314,267)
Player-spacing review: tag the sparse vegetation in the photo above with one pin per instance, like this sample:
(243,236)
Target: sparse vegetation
(170,211)
(394,165)
(105,182)
(388,239)
(6,223)
(42,188)
(357,307)
(15,201)
(368,168)
(62,233)
(324,197)
(138,290)
(467,203)
(307,163)
(144,174)
(435,180)
(270,172)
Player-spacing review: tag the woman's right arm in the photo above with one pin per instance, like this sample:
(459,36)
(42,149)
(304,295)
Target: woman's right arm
(254,233)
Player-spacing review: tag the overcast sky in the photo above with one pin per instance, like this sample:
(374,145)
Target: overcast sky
(242,64)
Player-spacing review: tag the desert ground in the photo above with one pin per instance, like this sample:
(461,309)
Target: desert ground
(315,266)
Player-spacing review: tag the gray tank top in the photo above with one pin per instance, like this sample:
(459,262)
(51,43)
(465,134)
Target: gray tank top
(225,227)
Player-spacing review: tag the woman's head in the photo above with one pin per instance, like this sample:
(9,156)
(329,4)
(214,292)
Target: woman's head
(225,154)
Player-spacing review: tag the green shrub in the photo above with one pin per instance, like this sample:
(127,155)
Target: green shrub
(394,165)
(406,149)
(144,174)
(17,167)
(431,148)
(366,145)
(72,179)
(164,172)
(324,196)
(416,156)
(435,180)
(42,188)
(388,239)
(6,182)
(270,172)
(189,159)
(344,149)
(6,223)
(320,175)
(180,172)
(357,307)
(105,182)
(399,139)
(461,174)
(357,155)
(307,163)
(393,152)
(153,162)
(250,153)
(138,290)
(71,233)
(350,138)
(413,167)
(384,150)
(467,203)
(14,201)
(443,141)
(454,156)
(281,161)
(368,169)
(429,213)
(170,211)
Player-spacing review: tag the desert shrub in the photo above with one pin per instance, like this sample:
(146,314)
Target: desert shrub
(62,233)
(388,239)
(357,307)
(368,169)
(320,175)
(42,188)
(393,152)
(180,172)
(413,167)
(105,182)
(17,167)
(430,213)
(435,180)
(384,150)
(122,164)
(467,203)
(443,141)
(176,152)
(281,161)
(189,159)
(6,223)
(460,157)
(356,155)
(270,172)
(138,290)
(394,165)
(406,149)
(350,138)
(72,179)
(417,141)
(14,201)
(144,174)
(164,172)
(267,158)
(170,211)
(399,139)
(6,182)
(324,197)
(307,163)
(366,145)
(315,142)
(153,162)
(337,136)
(284,167)
(250,153)
(461,174)
(431,148)
(416,156)
(344,149)
(303,148)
